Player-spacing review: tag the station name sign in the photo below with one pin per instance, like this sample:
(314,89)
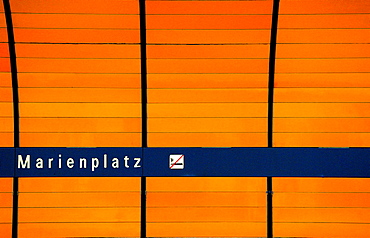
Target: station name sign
(184,161)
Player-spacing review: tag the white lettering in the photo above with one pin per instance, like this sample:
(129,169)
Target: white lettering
(115,163)
(95,164)
(137,164)
(50,160)
(70,163)
(105,161)
(83,163)
(39,163)
(24,164)
(126,161)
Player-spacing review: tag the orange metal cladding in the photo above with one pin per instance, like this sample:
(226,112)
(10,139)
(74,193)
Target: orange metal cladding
(79,207)
(6,197)
(322,87)
(72,79)
(211,207)
(208,72)
(6,96)
(321,207)
(77,89)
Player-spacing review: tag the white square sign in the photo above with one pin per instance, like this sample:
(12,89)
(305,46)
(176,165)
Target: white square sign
(177,161)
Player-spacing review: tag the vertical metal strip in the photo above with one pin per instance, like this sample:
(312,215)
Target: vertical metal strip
(271,85)
(13,67)
(144,96)
(274,24)
(144,113)
(269,208)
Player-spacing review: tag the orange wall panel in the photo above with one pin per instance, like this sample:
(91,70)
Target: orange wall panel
(113,229)
(58,51)
(207,110)
(69,80)
(207,125)
(6,201)
(322,80)
(212,66)
(75,21)
(65,207)
(205,139)
(207,51)
(88,95)
(322,7)
(76,6)
(37,65)
(88,61)
(207,81)
(179,206)
(317,125)
(208,7)
(191,22)
(208,36)
(76,36)
(101,125)
(89,139)
(207,95)
(84,109)
(321,207)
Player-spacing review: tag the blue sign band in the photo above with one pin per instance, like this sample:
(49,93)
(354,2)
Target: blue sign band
(179,162)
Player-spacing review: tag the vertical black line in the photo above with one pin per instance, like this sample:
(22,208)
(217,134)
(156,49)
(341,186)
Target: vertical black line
(144,96)
(274,24)
(269,208)
(15,208)
(272,59)
(143,208)
(13,68)
(144,113)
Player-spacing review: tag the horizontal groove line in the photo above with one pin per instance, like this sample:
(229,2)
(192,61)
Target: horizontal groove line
(260,43)
(189,132)
(56,117)
(209,207)
(200,88)
(278,192)
(91,58)
(74,43)
(189,14)
(179,29)
(257,102)
(71,13)
(76,192)
(75,28)
(206,102)
(97,207)
(210,191)
(83,73)
(137,102)
(202,222)
(64,87)
(323,222)
(78,222)
(130,207)
(282,207)
(75,132)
